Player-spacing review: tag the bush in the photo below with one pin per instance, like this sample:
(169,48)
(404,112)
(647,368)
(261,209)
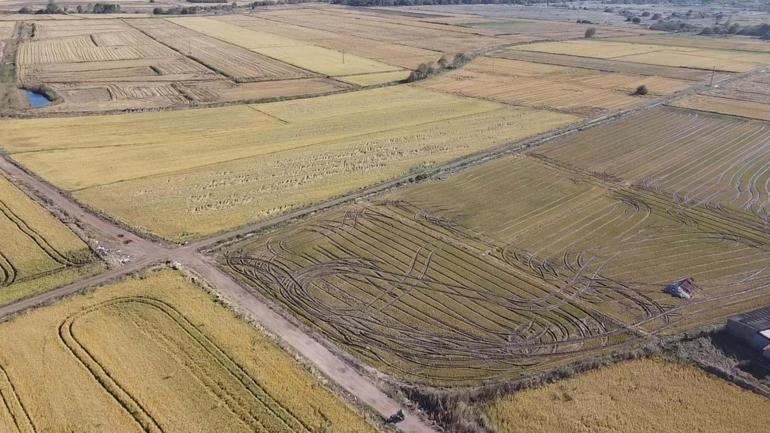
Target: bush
(427,70)
(590,32)
(641,90)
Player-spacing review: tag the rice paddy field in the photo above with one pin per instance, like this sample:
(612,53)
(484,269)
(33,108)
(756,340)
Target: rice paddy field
(154,353)
(509,268)
(186,174)
(694,157)
(578,91)
(734,107)
(629,398)
(663,55)
(37,252)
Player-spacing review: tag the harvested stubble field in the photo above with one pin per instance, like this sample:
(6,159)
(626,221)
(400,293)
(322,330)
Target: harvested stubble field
(724,43)
(605,65)
(579,91)
(190,173)
(156,354)
(6,29)
(694,157)
(698,58)
(112,65)
(633,397)
(37,252)
(551,30)
(733,107)
(291,51)
(401,30)
(505,269)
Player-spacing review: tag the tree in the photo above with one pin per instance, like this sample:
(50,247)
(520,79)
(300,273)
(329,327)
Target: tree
(706,31)
(636,20)
(641,90)
(590,32)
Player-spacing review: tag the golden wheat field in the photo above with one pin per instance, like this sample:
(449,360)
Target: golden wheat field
(734,107)
(632,397)
(698,58)
(154,353)
(185,174)
(37,252)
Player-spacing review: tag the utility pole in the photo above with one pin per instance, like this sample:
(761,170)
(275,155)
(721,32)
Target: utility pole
(713,71)
(343,57)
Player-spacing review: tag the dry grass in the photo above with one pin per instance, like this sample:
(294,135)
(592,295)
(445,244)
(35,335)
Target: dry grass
(6,29)
(580,91)
(37,252)
(294,52)
(190,173)
(723,43)
(633,397)
(373,79)
(699,58)
(734,107)
(156,354)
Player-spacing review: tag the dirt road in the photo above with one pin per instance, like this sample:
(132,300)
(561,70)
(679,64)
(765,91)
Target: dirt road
(139,252)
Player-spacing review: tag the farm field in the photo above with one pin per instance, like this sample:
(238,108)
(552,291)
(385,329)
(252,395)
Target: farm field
(185,174)
(579,91)
(696,157)
(551,30)
(632,397)
(441,284)
(6,29)
(138,64)
(155,353)
(732,43)
(734,107)
(37,252)
(698,58)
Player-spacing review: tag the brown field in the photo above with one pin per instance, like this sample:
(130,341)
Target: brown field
(606,65)
(632,397)
(506,269)
(572,90)
(112,65)
(155,354)
(550,30)
(733,107)
(755,88)
(698,158)
(723,43)
(6,29)
(189,173)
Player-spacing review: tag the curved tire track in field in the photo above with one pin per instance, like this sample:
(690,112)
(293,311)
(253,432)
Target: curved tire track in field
(13,404)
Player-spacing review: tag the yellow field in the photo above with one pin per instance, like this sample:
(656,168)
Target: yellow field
(6,29)
(729,43)
(633,397)
(294,52)
(156,354)
(574,90)
(377,78)
(190,173)
(37,252)
(699,58)
(735,107)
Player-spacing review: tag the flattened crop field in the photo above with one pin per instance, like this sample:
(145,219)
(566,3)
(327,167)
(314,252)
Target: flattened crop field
(185,174)
(37,252)
(156,354)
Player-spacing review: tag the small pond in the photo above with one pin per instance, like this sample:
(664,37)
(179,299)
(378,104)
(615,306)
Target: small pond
(37,100)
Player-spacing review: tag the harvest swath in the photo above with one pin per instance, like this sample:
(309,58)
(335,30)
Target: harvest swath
(698,58)
(156,354)
(697,158)
(185,174)
(514,266)
(37,252)
(632,397)
(573,90)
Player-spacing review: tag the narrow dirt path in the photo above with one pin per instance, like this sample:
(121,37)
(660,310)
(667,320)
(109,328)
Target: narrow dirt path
(142,252)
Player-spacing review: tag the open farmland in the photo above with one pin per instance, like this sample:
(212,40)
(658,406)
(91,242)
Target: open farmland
(632,397)
(697,158)
(113,65)
(505,269)
(186,174)
(698,58)
(734,107)
(156,354)
(37,252)
(573,90)
(733,43)
(6,29)
(551,30)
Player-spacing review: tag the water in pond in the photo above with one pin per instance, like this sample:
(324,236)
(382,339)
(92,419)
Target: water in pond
(36,99)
